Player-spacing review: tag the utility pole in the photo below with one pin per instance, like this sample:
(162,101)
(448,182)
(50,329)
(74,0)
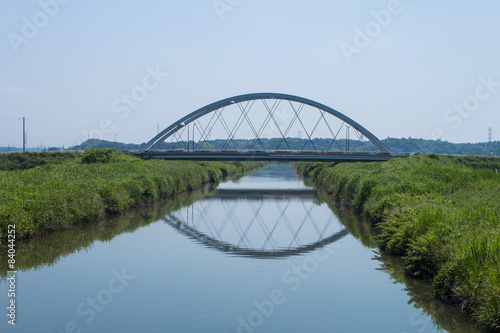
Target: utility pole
(24,134)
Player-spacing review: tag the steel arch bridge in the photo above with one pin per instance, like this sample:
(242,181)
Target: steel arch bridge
(301,115)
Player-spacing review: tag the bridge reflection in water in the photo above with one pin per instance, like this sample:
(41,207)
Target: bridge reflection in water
(259,223)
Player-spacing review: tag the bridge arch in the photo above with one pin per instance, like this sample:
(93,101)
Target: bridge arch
(173,128)
(235,250)
(276,223)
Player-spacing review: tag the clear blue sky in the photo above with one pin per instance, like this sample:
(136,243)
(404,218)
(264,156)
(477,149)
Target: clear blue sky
(422,61)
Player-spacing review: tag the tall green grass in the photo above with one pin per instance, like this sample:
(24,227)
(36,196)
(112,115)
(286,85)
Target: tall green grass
(52,196)
(28,160)
(441,213)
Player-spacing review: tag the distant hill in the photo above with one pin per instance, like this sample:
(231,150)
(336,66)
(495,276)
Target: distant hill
(403,145)
(95,143)
(442,147)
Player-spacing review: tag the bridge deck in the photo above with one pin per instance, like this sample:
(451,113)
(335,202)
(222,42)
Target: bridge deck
(263,156)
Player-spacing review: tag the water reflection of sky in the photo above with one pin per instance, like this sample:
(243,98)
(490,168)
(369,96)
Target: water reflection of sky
(274,176)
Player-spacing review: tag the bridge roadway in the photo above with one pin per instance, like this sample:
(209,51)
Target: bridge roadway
(285,156)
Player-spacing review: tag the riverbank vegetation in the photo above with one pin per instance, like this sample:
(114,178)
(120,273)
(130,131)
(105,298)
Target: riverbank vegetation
(28,160)
(441,213)
(62,191)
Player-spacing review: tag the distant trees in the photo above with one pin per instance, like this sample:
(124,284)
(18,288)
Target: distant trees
(404,145)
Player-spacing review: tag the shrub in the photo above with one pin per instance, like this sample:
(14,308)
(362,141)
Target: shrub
(93,155)
(446,280)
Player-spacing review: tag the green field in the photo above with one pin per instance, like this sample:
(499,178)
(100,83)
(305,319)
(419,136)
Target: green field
(441,213)
(47,192)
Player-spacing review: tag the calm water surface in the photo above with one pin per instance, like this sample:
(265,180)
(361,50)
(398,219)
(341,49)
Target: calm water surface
(263,253)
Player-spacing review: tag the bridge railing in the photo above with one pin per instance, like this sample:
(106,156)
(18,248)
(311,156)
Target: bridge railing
(257,152)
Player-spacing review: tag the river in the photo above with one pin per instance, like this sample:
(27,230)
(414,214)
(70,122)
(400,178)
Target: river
(261,253)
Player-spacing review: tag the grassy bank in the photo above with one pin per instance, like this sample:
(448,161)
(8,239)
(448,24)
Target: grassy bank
(442,214)
(94,184)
